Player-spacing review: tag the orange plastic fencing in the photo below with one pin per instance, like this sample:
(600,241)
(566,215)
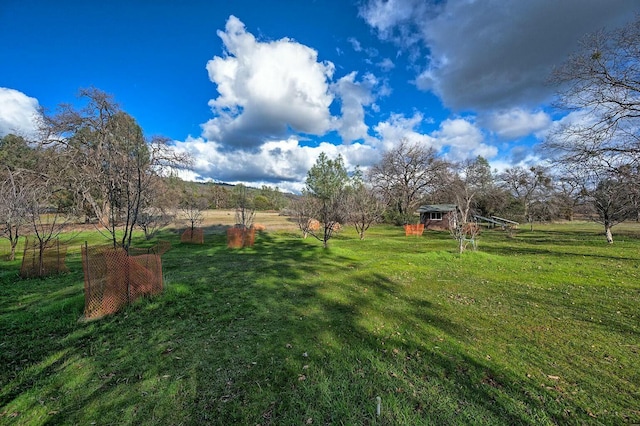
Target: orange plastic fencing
(114,278)
(193,236)
(41,261)
(241,237)
(160,248)
(416,229)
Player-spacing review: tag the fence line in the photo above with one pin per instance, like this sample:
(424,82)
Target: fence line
(416,229)
(40,259)
(114,277)
(193,236)
(239,237)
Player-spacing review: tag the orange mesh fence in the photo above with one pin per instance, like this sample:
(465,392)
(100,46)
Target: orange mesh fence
(241,237)
(159,248)
(193,236)
(416,229)
(42,260)
(113,278)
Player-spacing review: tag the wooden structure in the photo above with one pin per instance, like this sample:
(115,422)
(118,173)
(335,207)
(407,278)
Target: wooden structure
(507,223)
(436,216)
(495,221)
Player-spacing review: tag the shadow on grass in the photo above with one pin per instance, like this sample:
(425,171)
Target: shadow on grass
(278,333)
(421,370)
(552,243)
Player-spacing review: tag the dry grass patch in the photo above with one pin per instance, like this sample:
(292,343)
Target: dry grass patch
(272,221)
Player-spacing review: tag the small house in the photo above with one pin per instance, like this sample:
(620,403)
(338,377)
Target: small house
(436,216)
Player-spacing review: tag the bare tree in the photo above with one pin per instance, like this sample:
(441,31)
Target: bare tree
(462,231)
(15,193)
(47,218)
(364,207)
(600,84)
(601,81)
(109,163)
(569,191)
(612,202)
(159,206)
(467,182)
(405,175)
(18,160)
(304,208)
(245,208)
(528,186)
(153,219)
(192,208)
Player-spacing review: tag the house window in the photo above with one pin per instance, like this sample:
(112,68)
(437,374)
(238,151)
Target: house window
(435,215)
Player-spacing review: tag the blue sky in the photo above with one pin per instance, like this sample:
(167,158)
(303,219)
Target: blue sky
(255,90)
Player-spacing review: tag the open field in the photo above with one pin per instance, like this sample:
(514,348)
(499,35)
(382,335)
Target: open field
(273,221)
(541,328)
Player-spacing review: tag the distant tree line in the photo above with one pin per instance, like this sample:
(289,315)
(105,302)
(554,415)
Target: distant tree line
(225,196)
(92,164)
(595,172)
(411,175)
(95,163)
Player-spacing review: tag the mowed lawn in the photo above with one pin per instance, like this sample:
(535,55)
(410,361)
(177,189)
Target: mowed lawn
(539,328)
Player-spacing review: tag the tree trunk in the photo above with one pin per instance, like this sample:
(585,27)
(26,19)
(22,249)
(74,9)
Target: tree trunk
(607,232)
(13,240)
(41,259)
(12,256)
(326,235)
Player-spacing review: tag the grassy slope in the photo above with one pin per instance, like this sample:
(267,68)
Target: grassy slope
(539,329)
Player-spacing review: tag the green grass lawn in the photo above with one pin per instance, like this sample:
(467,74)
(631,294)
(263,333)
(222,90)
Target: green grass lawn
(541,328)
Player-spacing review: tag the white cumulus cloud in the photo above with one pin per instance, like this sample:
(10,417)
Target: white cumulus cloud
(283,163)
(398,128)
(354,95)
(516,123)
(386,65)
(462,139)
(456,139)
(266,90)
(18,113)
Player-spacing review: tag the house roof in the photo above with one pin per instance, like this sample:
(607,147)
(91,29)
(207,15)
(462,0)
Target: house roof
(443,208)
